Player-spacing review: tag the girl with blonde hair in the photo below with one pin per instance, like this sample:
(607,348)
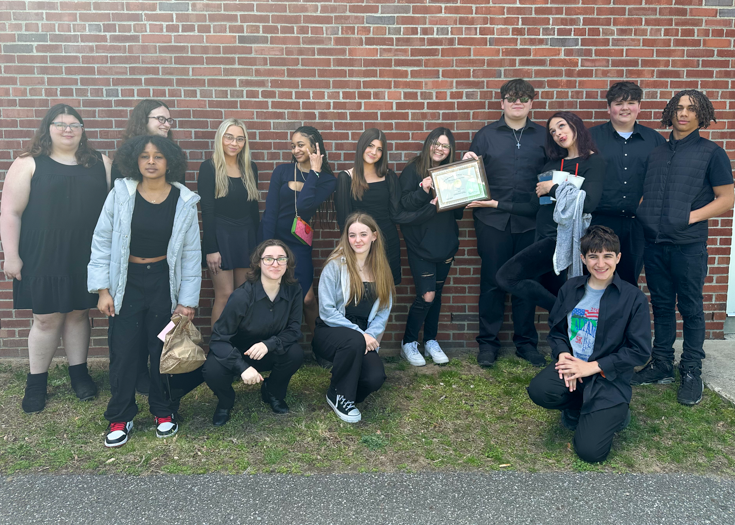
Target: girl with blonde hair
(355,297)
(228,187)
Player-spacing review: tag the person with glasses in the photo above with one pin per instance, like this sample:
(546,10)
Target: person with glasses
(355,297)
(513,152)
(52,196)
(228,187)
(431,244)
(146,265)
(259,330)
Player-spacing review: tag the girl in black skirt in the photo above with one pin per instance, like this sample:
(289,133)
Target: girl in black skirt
(228,187)
(52,196)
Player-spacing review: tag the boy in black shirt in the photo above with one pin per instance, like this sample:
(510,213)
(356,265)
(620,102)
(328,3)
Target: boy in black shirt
(600,330)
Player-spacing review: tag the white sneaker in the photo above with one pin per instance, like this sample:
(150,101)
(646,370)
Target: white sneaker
(117,434)
(435,351)
(410,352)
(166,426)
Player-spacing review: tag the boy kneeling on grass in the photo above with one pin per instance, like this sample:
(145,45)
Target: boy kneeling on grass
(600,329)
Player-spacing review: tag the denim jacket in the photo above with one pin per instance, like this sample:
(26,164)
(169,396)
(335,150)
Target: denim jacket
(108,266)
(334,295)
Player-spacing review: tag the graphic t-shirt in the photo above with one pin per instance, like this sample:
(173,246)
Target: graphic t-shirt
(582,323)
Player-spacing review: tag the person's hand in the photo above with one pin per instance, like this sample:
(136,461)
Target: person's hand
(105,303)
(12,268)
(469,155)
(544,187)
(483,204)
(214,262)
(427,184)
(571,383)
(433,201)
(185,310)
(257,351)
(370,343)
(571,367)
(316,160)
(251,376)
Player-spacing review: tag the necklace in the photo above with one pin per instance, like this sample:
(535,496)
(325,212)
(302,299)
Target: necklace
(518,137)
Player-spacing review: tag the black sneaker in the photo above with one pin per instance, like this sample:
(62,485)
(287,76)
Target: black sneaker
(344,408)
(118,433)
(487,357)
(570,418)
(691,388)
(326,365)
(655,372)
(532,355)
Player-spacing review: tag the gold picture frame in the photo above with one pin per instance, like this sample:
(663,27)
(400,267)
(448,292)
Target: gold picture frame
(458,184)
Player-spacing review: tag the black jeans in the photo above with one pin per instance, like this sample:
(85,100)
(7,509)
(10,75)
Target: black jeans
(519,275)
(630,232)
(496,247)
(145,311)
(219,378)
(427,277)
(595,431)
(355,374)
(675,274)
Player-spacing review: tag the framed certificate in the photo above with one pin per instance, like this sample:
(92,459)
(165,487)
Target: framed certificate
(458,184)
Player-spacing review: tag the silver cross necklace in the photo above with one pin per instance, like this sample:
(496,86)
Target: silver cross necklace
(518,137)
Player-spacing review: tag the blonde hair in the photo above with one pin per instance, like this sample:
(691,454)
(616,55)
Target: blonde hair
(376,263)
(221,180)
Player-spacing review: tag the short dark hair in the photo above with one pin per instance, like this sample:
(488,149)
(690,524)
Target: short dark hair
(702,107)
(599,239)
(138,121)
(126,157)
(624,91)
(585,143)
(254,272)
(517,88)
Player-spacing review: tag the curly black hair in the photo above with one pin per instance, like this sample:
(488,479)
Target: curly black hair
(127,157)
(702,107)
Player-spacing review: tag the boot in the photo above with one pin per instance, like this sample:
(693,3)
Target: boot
(34,399)
(82,383)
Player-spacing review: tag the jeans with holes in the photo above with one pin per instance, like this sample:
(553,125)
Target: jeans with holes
(427,277)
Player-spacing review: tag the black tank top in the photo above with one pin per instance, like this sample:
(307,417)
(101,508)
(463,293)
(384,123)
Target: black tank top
(152,225)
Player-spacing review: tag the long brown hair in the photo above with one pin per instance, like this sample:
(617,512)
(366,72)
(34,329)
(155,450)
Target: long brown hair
(254,272)
(359,184)
(423,160)
(376,262)
(41,142)
(138,121)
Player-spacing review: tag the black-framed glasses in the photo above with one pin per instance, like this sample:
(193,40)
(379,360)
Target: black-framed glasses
(268,261)
(229,139)
(61,126)
(164,120)
(522,99)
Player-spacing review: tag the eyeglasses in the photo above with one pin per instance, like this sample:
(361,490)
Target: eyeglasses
(229,139)
(522,99)
(268,261)
(439,145)
(61,126)
(164,120)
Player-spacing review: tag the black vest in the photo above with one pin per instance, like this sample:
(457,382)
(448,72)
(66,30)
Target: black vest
(675,185)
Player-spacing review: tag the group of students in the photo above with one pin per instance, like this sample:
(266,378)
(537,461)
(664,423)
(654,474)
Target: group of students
(80,231)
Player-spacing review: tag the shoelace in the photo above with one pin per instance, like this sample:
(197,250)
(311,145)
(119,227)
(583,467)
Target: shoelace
(412,349)
(117,426)
(167,419)
(346,403)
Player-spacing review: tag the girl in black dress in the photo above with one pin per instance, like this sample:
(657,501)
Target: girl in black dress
(228,187)
(52,197)
(372,188)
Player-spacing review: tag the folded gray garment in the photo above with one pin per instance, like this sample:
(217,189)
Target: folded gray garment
(572,224)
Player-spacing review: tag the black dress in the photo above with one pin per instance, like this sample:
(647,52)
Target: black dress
(56,236)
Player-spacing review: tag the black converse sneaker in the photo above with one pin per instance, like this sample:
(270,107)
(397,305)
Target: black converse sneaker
(344,408)
(166,426)
(117,434)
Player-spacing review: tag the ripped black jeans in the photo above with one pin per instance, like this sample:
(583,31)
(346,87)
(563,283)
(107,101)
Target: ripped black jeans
(428,277)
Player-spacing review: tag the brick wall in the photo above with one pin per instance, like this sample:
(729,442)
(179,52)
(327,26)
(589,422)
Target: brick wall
(341,65)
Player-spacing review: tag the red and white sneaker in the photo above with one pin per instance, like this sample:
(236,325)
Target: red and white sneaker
(166,426)
(117,434)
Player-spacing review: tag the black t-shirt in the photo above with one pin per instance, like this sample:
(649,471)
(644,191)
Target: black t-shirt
(152,225)
(360,313)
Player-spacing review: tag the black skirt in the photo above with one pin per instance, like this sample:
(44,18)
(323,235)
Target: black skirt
(236,240)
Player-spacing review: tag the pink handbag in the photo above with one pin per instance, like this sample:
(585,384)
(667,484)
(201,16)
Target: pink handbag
(300,228)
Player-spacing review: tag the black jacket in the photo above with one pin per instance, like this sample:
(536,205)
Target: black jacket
(622,341)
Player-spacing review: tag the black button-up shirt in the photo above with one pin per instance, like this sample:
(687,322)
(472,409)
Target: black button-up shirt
(627,160)
(250,317)
(622,340)
(512,172)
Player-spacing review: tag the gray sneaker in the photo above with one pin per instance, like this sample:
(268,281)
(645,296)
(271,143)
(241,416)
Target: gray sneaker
(433,350)
(410,352)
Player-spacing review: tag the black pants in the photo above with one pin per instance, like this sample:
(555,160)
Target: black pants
(496,247)
(675,275)
(355,374)
(530,274)
(594,434)
(428,277)
(630,232)
(145,311)
(282,367)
